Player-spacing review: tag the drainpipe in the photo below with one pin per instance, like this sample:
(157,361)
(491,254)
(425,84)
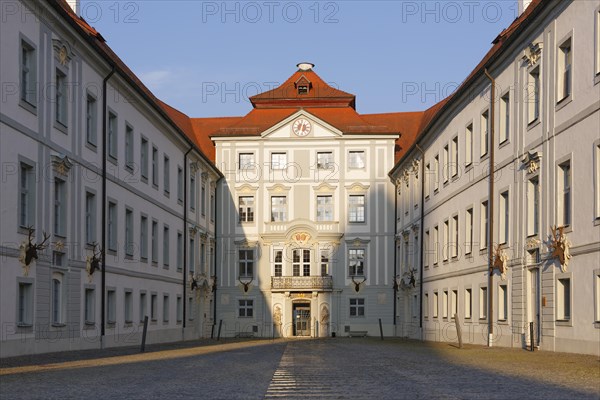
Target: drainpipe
(215,257)
(395,253)
(491,213)
(421,225)
(185,234)
(103,245)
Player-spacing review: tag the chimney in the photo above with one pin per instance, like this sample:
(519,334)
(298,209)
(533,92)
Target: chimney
(523,4)
(75,6)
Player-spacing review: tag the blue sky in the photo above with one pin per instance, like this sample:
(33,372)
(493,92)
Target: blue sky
(206,57)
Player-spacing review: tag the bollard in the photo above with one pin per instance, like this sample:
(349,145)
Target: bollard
(531,340)
(219,332)
(380,329)
(458,331)
(143,348)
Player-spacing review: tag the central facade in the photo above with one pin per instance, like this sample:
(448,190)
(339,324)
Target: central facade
(306,248)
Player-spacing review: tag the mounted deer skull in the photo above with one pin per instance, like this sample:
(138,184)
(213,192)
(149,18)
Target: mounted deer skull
(245,284)
(29,251)
(357,284)
(560,246)
(500,262)
(93,261)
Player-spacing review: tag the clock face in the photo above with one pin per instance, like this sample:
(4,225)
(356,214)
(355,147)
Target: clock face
(301,127)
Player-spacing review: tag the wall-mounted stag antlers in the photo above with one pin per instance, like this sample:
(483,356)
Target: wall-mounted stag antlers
(29,250)
(357,284)
(500,262)
(246,285)
(93,261)
(560,246)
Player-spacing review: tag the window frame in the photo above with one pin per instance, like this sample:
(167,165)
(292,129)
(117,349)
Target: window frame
(246,216)
(357,255)
(245,308)
(246,263)
(324,210)
(357,307)
(356,210)
(28,79)
(355,162)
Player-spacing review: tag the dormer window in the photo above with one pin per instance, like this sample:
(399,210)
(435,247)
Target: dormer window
(303,89)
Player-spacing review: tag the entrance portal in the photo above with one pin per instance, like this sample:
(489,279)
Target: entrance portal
(301,313)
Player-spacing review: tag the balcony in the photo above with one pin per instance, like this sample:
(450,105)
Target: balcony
(319,226)
(301,283)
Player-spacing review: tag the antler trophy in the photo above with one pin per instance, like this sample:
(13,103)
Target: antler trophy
(245,284)
(560,246)
(29,250)
(93,261)
(357,284)
(500,261)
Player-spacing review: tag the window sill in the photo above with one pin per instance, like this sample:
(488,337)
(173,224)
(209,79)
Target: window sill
(564,101)
(167,194)
(155,186)
(503,143)
(89,323)
(597,78)
(129,256)
(597,324)
(144,259)
(58,325)
(128,167)
(24,325)
(502,322)
(564,322)
(155,263)
(61,127)
(455,177)
(91,146)
(166,266)
(28,106)
(112,160)
(597,221)
(127,324)
(533,124)
(144,179)
(468,166)
(483,157)
(112,252)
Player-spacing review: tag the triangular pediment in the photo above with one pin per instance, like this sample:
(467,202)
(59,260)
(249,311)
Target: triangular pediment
(319,127)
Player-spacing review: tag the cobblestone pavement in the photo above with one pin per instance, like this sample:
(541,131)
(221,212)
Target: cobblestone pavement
(331,369)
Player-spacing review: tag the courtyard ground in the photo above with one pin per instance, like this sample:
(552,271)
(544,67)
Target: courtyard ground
(340,368)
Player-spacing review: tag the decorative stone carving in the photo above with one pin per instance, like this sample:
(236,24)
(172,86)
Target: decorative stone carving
(532,243)
(533,53)
(531,161)
(560,246)
(62,51)
(277,315)
(415,167)
(301,238)
(194,167)
(324,315)
(61,164)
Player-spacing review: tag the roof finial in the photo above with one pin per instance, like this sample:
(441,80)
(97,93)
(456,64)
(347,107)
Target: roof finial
(305,66)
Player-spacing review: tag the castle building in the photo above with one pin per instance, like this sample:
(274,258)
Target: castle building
(303,218)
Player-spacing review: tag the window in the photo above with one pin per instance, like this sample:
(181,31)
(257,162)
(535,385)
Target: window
(166,308)
(26,196)
(111,306)
(129,245)
(484,144)
(144,159)
(564,194)
(563,299)
(192,191)
(143,306)
(533,206)
(246,161)
(426,248)
(597,295)
(57,300)
(166,238)
(112,135)
(213,206)
(483,302)
(153,307)
(203,199)
(91,120)
(484,225)
(179,251)
(469,145)
(190,308)
(426,306)
(454,300)
(60,207)
(112,226)
(278,208)
(469,231)
(533,95)
(454,245)
(357,307)
(445,304)
(57,258)
(468,303)
(504,218)
(427,183)
(61,98)
(166,175)
(356,159)
(129,164)
(446,171)
(325,262)
(324,160)
(191,258)
(301,262)
(154,166)
(446,240)
(504,118)
(144,237)
(597,45)
(564,70)
(502,303)
(454,150)
(90,217)
(356,208)
(302,89)
(154,240)
(597,178)
(356,262)
(128,306)
(278,265)
(28,73)
(246,263)
(278,161)
(245,308)
(435,245)
(25,306)
(246,208)
(436,305)
(202,257)
(324,208)
(436,172)
(89,306)
(179,310)
(179,184)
